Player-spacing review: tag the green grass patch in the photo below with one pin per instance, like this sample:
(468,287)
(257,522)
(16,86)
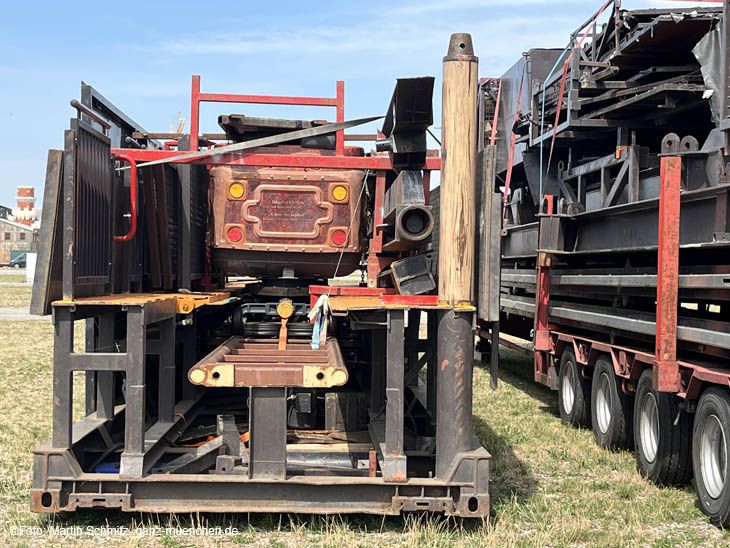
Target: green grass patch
(14,295)
(12,278)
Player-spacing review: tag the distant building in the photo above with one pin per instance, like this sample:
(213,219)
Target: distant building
(19,226)
(16,238)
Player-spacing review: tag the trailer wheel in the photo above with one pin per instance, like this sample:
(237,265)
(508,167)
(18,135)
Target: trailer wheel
(574,392)
(662,448)
(611,408)
(710,449)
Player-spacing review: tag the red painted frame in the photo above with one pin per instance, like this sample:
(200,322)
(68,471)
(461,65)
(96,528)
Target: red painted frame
(132,199)
(255,157)
(343,157)
(198,97)
(628,363)
(387,295)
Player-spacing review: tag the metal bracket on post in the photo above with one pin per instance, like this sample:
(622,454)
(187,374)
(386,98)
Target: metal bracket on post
(543,371)
(666,369)
(164,347)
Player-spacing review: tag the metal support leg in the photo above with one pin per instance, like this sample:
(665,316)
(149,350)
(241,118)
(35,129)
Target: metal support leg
(666,369)
(377,374)
(394,456)
(432,328)
(454,403)
(166,392)
(62,378)
(91,376)
(105,387)
(189,359)
(494,356)
(267,433)
(414,323)
(132,460)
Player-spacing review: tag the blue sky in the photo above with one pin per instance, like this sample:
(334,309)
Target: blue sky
(141,57)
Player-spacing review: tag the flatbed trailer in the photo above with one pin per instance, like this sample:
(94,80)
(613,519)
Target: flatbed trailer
(615,267)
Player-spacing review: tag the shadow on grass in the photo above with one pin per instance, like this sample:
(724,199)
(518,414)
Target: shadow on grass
(517,370)
(509,477)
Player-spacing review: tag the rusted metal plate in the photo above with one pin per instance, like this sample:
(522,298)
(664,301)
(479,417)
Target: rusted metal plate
(240,362)
(125,299)
(184,302)
(285,210)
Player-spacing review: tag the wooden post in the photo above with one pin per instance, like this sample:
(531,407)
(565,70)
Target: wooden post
(457,253)
(458,172)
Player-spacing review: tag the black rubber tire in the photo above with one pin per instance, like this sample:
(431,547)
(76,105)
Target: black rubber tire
(580,413)
(715,402)
(672,464)
(619,430)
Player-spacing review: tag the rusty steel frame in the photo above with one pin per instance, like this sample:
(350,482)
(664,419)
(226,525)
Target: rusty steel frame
(63,481)
(553,317)
(65,478)
(566,240)
(241,362)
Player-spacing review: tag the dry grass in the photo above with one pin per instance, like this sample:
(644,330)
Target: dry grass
(551,485)
(12,278)
(14,295)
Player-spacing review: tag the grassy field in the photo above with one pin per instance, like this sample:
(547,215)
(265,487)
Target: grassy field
(551,485)
(12,278)
(14,295)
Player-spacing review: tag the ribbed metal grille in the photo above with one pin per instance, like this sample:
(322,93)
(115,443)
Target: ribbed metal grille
(92,208)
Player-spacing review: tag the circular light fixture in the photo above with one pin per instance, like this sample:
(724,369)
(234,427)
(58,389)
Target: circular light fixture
(339,193)
(339,237)
(236,190)
(235,234)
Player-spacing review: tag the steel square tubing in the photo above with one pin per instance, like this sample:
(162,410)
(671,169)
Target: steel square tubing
(394,454)
(685,281)
(267,427)
(377,373)
(197,97)
(105,388)
(164,347)
(132,458)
